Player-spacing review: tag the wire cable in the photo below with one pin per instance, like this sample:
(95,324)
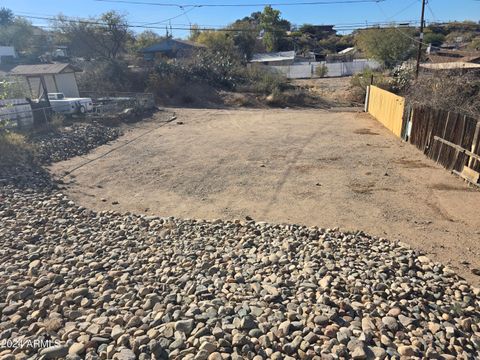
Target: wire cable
(305,3)
(184,13)
(401,32)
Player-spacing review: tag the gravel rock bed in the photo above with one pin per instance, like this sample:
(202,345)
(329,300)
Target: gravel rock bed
(71,141)
(106,285)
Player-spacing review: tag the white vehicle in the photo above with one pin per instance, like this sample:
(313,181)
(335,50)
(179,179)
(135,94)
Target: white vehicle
(64,105)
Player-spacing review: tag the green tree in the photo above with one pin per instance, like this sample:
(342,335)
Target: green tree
(143,40)
(6,17)
(18,34)
(435,39)
(275,29)
(217,41)
(245,39)
(390,46)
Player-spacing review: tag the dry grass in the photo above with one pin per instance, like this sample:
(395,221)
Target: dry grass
(14,148)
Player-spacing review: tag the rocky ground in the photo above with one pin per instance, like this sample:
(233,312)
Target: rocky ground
(120,286)
(107,285)
(71,141)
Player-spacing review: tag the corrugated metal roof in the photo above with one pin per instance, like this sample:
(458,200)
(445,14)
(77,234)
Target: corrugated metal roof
(171,45)
(451,66)
(274,56)
(42,69)
(346,51)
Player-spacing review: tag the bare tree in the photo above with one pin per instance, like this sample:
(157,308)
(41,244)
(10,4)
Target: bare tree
(104,38)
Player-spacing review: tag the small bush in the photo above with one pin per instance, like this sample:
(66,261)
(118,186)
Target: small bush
(321,71)
(263,81)
(14,148)
(57,120)
(361,81)
(110,77)
(403,77)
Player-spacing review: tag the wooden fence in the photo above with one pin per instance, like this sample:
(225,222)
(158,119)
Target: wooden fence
(387,108)
(450,139)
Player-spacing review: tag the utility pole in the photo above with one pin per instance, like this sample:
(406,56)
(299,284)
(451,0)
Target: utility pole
(420,45)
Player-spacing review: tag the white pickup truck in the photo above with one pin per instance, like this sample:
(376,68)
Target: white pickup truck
(61,104)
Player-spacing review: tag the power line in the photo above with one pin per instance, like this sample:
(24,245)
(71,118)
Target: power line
(305,3)
(431,11)
(349,25)
(184,13)
(403,10)
(401,32)
(338,27)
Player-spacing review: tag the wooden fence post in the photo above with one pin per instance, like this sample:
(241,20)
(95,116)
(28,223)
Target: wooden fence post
(474,144)
(367,98)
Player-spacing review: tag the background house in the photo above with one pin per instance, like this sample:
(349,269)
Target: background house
(171,48)
(49,78)
(274,58)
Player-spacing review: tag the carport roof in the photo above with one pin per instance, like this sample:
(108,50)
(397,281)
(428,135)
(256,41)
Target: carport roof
(43,69)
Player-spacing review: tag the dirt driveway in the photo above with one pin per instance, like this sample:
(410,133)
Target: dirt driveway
(286,166)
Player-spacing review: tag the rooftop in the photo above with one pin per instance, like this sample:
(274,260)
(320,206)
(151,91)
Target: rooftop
(43,69)
(451,66)
(273,56)
(172,44)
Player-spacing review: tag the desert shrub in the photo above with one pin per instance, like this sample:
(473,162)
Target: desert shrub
(361,81)
(218,71)
(57,120)
(262,81)
(205,66)
(448,90)
(11,89)
(14,148)
(295,97)
(111,76)
(402,78)
(321,71)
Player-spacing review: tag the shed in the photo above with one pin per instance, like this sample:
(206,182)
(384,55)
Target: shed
(50,78)
(274,58)
(7,53)
(171,48)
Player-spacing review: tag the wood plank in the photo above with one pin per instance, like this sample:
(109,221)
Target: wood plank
(461,175)
(458,147)
(444,133)
(474,144)
(470,174)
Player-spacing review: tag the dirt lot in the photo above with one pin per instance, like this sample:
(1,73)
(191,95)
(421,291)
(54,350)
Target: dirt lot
(337,91)
(288,166)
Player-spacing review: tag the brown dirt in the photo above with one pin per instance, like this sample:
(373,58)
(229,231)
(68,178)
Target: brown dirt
(336,90)
(286,166)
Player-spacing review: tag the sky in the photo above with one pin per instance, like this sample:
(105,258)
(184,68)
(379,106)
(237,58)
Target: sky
(338,14)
